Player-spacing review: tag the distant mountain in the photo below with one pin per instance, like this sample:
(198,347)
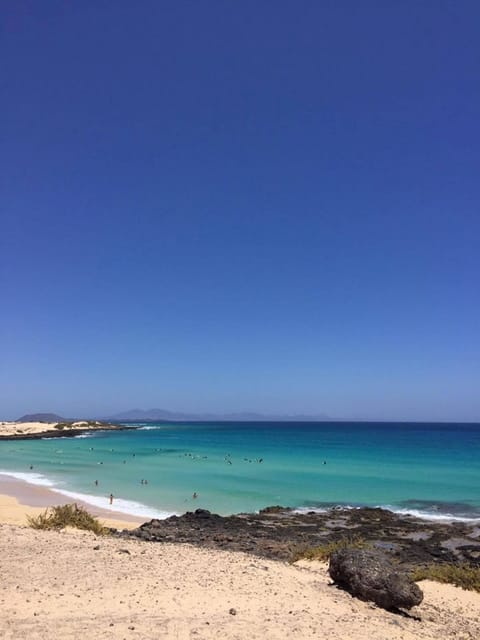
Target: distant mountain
(160,415)
(163,415)
(41,417)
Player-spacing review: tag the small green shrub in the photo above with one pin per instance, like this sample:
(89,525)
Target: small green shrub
(324,551)
(68,515)
(461,575)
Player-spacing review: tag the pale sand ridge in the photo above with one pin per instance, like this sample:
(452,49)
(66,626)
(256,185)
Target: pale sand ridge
(30,428)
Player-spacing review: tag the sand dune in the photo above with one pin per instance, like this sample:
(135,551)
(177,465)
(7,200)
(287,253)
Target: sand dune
(19,429)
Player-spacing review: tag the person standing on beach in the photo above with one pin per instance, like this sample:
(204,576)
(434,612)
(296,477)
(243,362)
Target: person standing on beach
(111,498)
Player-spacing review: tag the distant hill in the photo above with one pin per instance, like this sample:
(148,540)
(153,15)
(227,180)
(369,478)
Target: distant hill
(160,415)
(163,415)
(41,417)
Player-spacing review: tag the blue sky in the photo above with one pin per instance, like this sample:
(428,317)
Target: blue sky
(268,206)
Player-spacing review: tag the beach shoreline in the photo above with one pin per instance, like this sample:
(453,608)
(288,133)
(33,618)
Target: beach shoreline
(183,588)
(274,532)
(19,499)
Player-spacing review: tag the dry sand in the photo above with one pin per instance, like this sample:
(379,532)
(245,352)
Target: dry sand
(28,428)
(73,585)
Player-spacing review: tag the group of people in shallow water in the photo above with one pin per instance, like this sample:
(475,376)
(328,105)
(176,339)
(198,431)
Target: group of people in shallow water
(111,497)
(143,481)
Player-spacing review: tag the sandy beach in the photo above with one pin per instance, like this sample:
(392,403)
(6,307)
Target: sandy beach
(72,584)
(25,430)
(20,499)
(33,428)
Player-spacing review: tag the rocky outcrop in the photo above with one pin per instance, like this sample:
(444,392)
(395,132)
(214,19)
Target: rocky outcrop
(370,575)
(282,533)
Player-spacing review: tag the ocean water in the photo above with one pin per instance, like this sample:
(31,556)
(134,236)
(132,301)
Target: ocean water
(432,470)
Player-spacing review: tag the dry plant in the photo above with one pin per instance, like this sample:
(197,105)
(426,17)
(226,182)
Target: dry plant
(68,515)
(323,551)
(461,575)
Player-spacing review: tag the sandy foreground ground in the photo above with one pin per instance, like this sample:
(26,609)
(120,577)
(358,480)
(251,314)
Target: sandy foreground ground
(72,584)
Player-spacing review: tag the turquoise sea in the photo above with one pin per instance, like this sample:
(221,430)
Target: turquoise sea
(431,470)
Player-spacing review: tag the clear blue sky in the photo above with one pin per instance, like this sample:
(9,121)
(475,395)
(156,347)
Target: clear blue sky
(261,205)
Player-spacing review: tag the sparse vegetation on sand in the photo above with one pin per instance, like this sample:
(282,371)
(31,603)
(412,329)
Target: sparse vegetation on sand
(81,424)
(324,551)
(461,575)
(68,515)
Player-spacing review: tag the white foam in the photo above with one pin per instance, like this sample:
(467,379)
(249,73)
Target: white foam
(119,505)
(129,507)
(310,509)
(135,425)
(417,513)
(149,428)
(324,509)
(435,517)
(31,478)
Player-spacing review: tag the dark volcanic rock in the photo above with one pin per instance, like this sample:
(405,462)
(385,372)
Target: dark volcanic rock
(276,508)
(282,533)
(369,575)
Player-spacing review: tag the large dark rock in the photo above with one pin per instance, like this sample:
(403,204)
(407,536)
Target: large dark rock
(369,575)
